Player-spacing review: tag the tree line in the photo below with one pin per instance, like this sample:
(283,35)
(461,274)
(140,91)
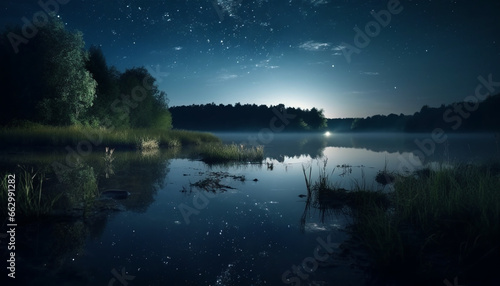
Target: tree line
(456,117)
(51,79)
(246,117)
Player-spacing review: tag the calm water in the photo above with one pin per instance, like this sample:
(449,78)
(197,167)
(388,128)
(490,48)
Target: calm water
(250,234)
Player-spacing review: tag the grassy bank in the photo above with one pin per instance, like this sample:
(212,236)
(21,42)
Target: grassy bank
(435,225)
(52,136)
(217,153)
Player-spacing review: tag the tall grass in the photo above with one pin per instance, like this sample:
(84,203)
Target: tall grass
(49,136)
(441,222)
(147,144)
(224,153)
(30,196)
(435,224)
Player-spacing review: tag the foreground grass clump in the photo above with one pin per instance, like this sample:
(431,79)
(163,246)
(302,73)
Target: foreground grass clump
(147,144)
(50,136)
(29,198)
(328,197)
(437,223)
(441,223)
(224,153)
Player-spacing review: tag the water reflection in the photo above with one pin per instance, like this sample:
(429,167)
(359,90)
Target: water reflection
(47,246)
(249,234)
(457,147)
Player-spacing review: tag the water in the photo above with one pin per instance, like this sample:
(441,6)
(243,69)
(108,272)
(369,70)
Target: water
(255,231)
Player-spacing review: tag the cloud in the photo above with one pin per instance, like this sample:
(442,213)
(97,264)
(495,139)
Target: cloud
(319,2)
(313,46)
(265,64)
(178,48)
(339,47)
(369,73)
(225,77)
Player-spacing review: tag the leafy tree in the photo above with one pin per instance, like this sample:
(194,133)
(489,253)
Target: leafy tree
(48,74)
(108,90)
(144,103)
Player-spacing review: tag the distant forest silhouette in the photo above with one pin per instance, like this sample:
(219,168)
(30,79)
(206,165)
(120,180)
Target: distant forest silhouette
(252,117)
(51,79)
(247,117)
(450,118)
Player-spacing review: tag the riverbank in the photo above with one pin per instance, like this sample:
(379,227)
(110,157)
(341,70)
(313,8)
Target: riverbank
(435,223)
(43,136)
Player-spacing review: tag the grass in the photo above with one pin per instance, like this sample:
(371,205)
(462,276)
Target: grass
(436,223)
(35,198)
(224,153)
(35,135)
(443,222)
(29,195)
(148,144)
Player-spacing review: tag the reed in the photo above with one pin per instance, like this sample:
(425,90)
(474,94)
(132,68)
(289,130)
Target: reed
(226,153)
(31,199)
(434,224)
(450,213)
(35,135)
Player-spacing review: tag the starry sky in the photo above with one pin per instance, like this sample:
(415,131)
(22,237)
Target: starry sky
(294,51)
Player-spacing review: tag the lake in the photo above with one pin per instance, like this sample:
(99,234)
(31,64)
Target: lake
(255,229)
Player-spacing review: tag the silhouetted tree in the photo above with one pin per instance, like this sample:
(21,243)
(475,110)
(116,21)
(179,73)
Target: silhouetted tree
(47,77)
(142,101)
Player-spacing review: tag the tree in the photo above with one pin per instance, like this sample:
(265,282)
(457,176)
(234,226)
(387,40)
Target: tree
(49,76)
(69,89)
(108,90)
(144,103)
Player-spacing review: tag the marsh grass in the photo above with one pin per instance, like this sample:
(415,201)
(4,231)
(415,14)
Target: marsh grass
(36,135)
(226,153)
(385,177)
(440,222)
(148,144)
(436,223)
(31,199)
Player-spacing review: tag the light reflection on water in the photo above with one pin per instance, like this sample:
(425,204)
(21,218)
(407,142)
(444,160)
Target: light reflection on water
(249,235)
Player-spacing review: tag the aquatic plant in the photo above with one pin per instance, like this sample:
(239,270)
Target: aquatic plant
(224,153)
(108,162)
(435,223)
(30,197)
(439,221)
(385,177)
(146,144)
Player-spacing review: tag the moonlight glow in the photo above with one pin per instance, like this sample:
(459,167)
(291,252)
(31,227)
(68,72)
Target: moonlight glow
(293,52)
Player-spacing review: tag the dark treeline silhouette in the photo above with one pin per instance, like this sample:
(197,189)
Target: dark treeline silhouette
(391,122)
(51,79)
(455,117)
(340,124)
(247,117)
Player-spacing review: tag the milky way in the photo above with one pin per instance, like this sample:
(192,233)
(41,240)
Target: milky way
(296,52)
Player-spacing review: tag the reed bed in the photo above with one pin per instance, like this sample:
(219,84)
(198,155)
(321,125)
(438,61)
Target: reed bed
(35,135)
(226,153)
(30,197)
(435,224)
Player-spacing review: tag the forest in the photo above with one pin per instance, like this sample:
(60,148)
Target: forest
(456,117)
(51,79)
(247,117)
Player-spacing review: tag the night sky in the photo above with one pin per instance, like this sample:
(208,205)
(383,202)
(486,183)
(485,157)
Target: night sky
(293,51)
